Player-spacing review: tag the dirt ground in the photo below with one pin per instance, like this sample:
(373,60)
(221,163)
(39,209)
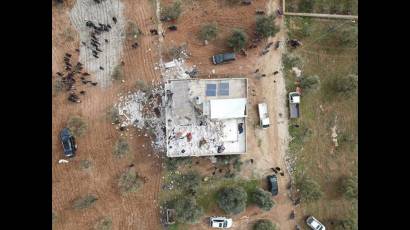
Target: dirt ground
(139,210)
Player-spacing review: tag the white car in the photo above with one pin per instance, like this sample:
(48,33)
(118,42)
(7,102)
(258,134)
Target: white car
(314,224)
(220,222)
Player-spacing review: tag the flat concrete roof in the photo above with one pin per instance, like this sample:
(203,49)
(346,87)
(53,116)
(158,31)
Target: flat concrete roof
(189,128)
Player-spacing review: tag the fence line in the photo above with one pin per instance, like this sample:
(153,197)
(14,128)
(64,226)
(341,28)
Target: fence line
(334,16)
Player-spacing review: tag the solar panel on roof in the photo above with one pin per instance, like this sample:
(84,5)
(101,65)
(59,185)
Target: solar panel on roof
(224,89)
(210,90)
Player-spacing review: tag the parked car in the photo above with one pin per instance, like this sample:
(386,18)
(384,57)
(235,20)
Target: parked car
(68,141)
(273,184)
(220,222)
(221,58)
(314,224)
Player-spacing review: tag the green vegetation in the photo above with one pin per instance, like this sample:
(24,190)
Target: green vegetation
(348,7)
(262,199)
(309,189)
(232,199)
(113,115)
(77,126)
(85,164)
(118,73)
(58,86)
(172,163)
(238,39)
(132,31)
(104,223)
(348,187)
(129,181)
(54,217)
(142,85)
(329,91)
(186,208)
(84,202)
(208,32)
(171,12)
(121,148)
(264,224)
(265,26)
(188,182)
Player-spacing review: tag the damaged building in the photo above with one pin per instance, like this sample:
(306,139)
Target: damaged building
(205,117)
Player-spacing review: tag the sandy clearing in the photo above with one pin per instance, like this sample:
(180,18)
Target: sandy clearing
(86,10)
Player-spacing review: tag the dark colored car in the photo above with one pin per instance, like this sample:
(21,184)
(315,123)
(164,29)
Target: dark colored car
(220,58)
(68,141)
(273,184)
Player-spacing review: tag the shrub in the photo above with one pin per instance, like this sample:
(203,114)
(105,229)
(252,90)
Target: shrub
(133,32)
(238,39)
(348,187)
(265,26)
(309,189)
(232,200)
(142,85)
(291,60)
(233,2)
(172,163)
(189,181)
(118,73)
(84,202)
(58,86)
(208,32)
(310,82)
(54,217)
(77,126)
(186,210)
(262,199)
(237,165)
(103,224)
(345,86)
(264,224)
(129,181)
(85,164)
(113,115)
(121,148)
(171,12)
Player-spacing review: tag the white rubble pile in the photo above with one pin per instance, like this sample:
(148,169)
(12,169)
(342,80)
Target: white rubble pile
(131,109)
(175,69)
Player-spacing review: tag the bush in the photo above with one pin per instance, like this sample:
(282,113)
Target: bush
(118,73)
(348,187)
(264,224)
(189,181)
(85,164)
(208,32)
(345,86)
(237,165)
(232,200)
(103,224)
(310,82)
(238,39)
(54,217)
(58,86)
(77,126)
(262,199)
(133,32)
(121,148)
(291,60)
(142,85)
(172,163)
(186,210)
(309,190)
(171,12)
(113,115)
(265,26)
(129,181)
(84,202)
